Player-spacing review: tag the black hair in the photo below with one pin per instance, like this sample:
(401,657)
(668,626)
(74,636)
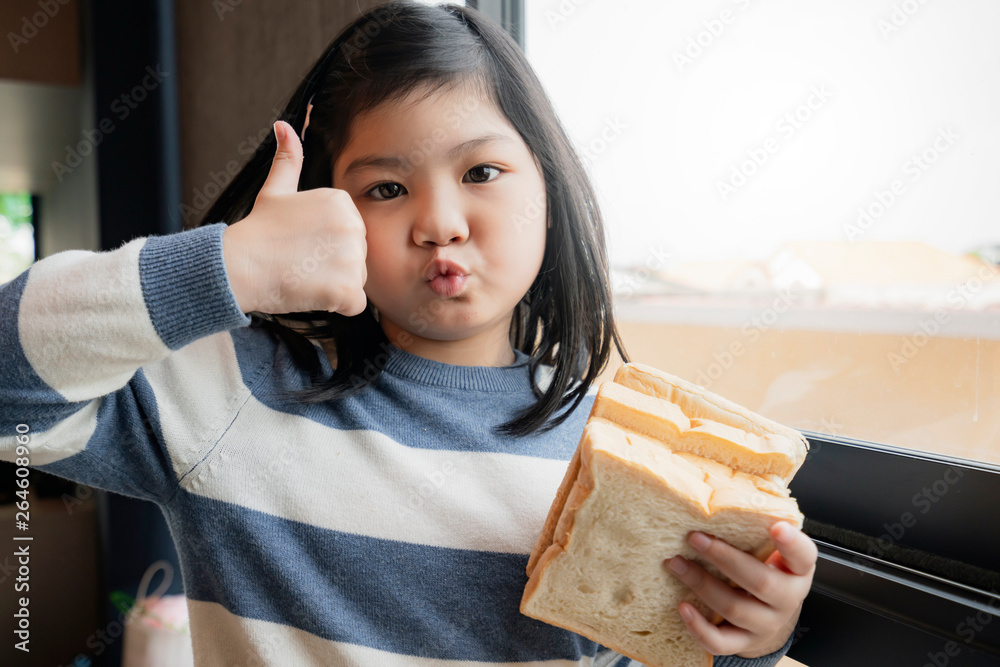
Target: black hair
(566,318)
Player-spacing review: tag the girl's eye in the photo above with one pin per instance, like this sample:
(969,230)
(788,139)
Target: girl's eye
(475,173)
(386,191)
(390,190)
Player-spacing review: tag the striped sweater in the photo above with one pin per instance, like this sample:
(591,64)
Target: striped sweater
(388,528)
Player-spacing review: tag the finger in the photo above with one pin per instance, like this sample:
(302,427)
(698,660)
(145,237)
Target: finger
(736,606)
(798,551)
(763,582)
(287,163)
(716,639)
(355,304)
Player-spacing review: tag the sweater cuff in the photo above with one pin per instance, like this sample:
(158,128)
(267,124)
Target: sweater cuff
(768,660)
(186,287)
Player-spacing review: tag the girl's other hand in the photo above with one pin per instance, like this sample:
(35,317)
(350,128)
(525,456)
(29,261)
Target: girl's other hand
(759,615)
(297,251)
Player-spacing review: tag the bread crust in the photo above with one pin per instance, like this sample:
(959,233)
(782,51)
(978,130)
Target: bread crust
(696,401)
(662,419)
(555,511)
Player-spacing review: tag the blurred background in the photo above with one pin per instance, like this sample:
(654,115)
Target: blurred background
(800,200)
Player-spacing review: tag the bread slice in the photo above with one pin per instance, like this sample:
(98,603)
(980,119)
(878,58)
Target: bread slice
(628,501)
(713,412)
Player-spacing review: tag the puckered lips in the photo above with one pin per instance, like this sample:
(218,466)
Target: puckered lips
(445,277)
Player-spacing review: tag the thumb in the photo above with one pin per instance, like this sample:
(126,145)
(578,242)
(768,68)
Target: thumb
(287,163)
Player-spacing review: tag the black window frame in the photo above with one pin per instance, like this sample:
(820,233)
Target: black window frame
(913,589)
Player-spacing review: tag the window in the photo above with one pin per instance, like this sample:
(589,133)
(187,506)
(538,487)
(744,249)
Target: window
(17,235)
(800,202)
(802,217)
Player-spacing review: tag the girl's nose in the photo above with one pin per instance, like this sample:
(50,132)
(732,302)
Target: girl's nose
(440,220)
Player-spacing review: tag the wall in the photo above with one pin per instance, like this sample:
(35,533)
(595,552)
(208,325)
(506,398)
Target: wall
(46,103)
(239,63)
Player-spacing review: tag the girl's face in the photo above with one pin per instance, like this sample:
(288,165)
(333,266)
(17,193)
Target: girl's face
(454,208)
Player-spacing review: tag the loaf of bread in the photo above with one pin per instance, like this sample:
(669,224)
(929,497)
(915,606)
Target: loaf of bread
(659,457)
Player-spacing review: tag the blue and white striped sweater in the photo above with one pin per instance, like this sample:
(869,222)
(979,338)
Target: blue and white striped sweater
(389,528)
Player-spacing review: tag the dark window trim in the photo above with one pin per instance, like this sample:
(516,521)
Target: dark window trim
(896,497)
(508,13)
(139,175)
(908,596)
(36,216)
(909,553)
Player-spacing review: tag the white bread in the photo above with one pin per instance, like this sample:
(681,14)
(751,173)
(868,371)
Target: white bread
(638,483)
(716,412)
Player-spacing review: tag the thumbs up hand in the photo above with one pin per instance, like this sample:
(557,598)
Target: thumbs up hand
(297,251)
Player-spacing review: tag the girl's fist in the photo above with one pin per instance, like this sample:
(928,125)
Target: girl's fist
(297,251)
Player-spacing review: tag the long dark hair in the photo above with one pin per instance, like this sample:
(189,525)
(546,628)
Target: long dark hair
(565,320)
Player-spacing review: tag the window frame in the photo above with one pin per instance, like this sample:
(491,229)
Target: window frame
(508,13)
(896,613)
(36,205)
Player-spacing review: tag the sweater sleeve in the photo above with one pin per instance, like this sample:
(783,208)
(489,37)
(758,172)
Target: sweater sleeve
(608,658)
(768,660)
(112,376)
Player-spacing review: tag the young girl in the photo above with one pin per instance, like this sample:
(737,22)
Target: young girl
(354,389)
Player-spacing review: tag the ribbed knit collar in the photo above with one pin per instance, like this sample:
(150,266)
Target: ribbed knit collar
(412,367)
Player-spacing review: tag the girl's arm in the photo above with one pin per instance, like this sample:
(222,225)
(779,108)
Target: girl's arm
(101,365)
(110,362)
